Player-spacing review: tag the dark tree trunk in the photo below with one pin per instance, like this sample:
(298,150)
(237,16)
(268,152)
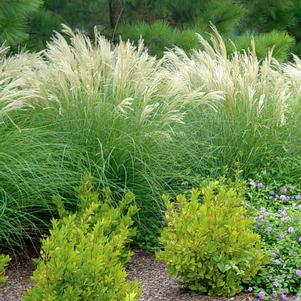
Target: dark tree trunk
(111,14)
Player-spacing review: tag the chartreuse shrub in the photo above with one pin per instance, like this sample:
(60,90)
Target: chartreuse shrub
(84,256)
(4,259)
(208,242)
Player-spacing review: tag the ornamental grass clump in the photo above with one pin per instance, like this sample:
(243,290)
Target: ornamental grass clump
(208,242)
(83,258)
(15,94)
(249,123)
(110,102)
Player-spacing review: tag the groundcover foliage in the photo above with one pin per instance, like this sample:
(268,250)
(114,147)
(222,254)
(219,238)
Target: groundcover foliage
(277,211)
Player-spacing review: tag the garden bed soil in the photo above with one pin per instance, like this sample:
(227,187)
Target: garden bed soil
(152,275)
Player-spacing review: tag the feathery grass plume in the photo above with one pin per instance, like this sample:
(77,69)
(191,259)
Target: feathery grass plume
(14,92)
(114,105)
(243,126)
(34,163)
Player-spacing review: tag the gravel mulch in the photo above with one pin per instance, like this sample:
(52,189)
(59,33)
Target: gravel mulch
(157,287)
(152,275)
(18,272)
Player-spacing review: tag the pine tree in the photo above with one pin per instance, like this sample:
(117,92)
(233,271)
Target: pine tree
(183,18)
(77,14)
(14,15)
(266,16)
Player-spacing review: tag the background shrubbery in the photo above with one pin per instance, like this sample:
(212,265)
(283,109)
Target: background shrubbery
(272,23)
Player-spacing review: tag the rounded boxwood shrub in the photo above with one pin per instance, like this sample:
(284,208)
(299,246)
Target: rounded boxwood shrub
(83,258)
(208,243)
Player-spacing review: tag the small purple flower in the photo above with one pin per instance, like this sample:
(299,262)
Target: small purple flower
(289,277)
(276,284)
(250,289)
(299,239)
(298,273)
(287,219)
(273,255)
(287,197)
(251,183)
(299,206)
(298,197)
(259,185)
(269,229)
(282,212)
(283,297)
(271,192)
(261,295)
(281,235)
(274,294)
(277,196)
(282,197)
(283,190)
(278,262)
(290,230)
(264,212)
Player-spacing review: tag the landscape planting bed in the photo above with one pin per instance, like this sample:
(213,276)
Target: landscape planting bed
(152,275)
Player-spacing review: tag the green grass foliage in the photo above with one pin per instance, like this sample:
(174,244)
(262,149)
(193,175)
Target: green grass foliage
(136,123)
(255,121)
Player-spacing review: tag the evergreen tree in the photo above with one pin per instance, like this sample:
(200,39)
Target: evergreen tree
(182,20)
(78,14)
(266,16)
(14,15)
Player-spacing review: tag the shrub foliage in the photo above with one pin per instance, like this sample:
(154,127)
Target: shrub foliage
(83,258)
(209,243)
(4,259)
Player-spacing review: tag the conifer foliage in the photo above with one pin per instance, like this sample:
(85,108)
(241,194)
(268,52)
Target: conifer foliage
(14,17)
